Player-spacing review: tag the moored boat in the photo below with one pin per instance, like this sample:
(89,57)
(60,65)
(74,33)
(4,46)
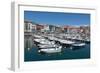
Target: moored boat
(50,50)
(78,45)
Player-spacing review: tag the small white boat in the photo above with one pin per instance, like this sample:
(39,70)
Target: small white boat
(36,40)
(66,41)
(46,45)
(78,44)
(42,41)
(51,50)
(37,36)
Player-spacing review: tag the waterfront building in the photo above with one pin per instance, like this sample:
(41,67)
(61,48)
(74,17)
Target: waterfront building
(33,27)
(27,26)
(58,29)
(39,27)
(71,29)
(85,32)
(45,29)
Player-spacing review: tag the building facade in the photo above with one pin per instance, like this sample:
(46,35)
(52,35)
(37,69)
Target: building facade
(27,26)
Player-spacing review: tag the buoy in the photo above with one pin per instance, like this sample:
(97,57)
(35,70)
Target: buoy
(28,49)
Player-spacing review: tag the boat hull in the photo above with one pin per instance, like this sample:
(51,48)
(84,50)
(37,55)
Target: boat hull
(49,50)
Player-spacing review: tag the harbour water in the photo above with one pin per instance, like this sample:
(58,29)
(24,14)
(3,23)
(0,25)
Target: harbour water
(66,54)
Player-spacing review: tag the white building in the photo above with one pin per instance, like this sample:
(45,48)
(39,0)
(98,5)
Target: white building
(46,28)
(27,26)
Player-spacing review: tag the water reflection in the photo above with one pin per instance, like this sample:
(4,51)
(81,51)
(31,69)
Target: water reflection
(28,43)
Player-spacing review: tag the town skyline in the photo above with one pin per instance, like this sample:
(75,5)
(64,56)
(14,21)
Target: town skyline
(57,18)
(62,25)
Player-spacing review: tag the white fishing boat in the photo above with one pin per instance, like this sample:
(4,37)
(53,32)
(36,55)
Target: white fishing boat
(51,50)
(42,41)
(65,41)
(46,45)
(52,38)
(77,46)
(38,36)
(36,40)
